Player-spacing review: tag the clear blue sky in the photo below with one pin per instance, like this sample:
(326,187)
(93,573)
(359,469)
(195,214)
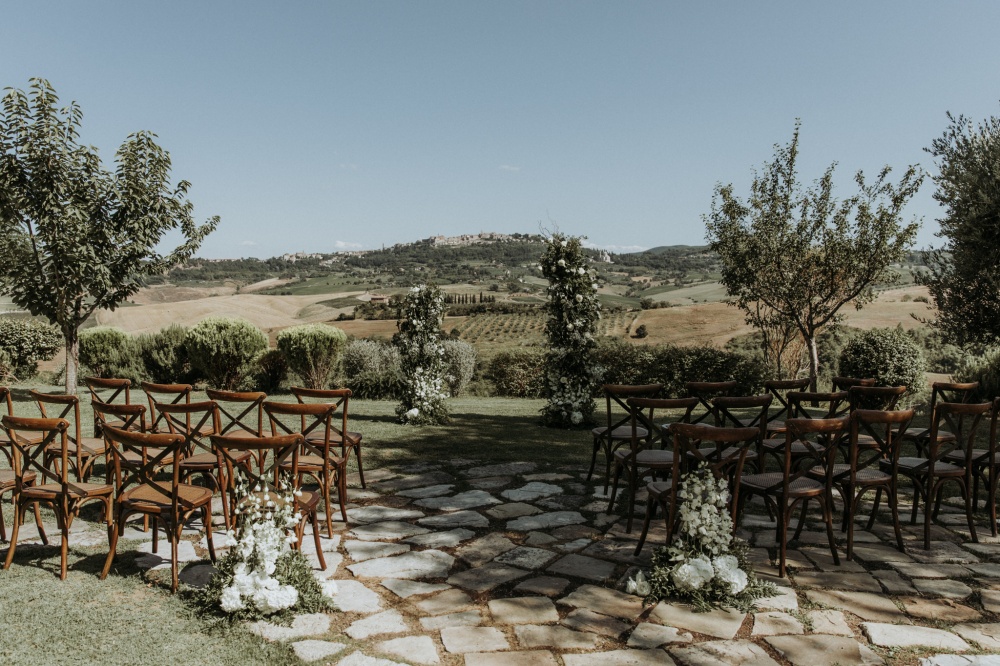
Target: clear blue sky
(326,125)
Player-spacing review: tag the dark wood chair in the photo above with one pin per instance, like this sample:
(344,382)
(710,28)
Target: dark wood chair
(745,412)
(137,459)
(84,452)
(984,466)
(323,456)
(803,405)
(642,458)
(108,391)
(8,479)
(846,384)
(930,474)
(618,430)
(284,453)
(816,440)
(722,450)
(705,392)
(33,440)
(941,392)
(164,394)
(340,398)
(779,390)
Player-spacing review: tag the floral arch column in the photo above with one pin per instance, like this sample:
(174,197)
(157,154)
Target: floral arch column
(422,358)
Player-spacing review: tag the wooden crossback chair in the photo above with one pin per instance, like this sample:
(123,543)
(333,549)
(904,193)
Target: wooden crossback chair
(941,392)
(109,392)
(5,445)
(240,414)
(164,394)
(618,430)
(84,451)
(705,392)
(285,451)
(721,450)
(929,474)
(804,405)
(727,415)
(341,398)
(137,459)
(984,466)
(814,442)
(323,457)
(642,458)
(8,480)
(846,384)
(33,441)
(779,389)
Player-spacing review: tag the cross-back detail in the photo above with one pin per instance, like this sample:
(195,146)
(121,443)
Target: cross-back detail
(834,401)
(845,383)
(705,391)
(886,429)
(164,394)
(817,441)
(248,404)
(697,445)
(6,397)
(29,452)
(132,416)
(724,406)
(196,415)
(643,415)
(338,398)
(619,394)
(952,392)
(779,389)
(151,452)
(284,447)
(875,398)
(961,419)
(320,416)
(100,387)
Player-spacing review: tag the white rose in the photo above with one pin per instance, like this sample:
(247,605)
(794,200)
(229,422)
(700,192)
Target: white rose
(413,413)
(230,600)
(562,263)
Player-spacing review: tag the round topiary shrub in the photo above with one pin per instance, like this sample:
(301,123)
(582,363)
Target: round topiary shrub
(223,350)
(460,365)
(165,356)
(887,354)
(111,353)
(23,343)
(641,331)
(313,352)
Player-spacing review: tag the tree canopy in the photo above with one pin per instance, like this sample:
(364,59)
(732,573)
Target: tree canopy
(798,254)
(963,279)
(74,237)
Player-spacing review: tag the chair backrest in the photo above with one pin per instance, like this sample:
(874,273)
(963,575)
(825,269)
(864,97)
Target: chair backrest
(314,418)
(830,403)
(31,439)
(962,420)
(618,394)
(845,383)
(757,406)
(879,398)
(6,397)
(150,453)
(817,440)
(284,447)
(643,415)
(164,394)
(886,428)
(133,417)
(239,411)
(62,406)
(705,391)
(952,392)
(108,391)
(190,420)
(718,449)
(779,388)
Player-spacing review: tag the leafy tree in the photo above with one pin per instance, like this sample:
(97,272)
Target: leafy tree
(74,237)
(963,280)
(801,253)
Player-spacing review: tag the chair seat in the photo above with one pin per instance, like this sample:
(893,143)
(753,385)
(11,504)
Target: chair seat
(89,446)
(942,435)
(313,463)
(908,464)
(75,490)
(980,457)
(621,432)
(353,438)
(776,426)
(655,458)
(659,489)
(8,478)
(865,476)
(709,452)
(778,444)
(800,487)
(149,498)
(211,461)
(135,456)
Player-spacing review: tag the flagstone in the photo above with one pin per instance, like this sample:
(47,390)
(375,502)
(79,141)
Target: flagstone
(427,491)
(944,610)
(942,552)
(879,553)
(376,513)
(716,622)
(574,546)
(456,519)
(582,567)
(829,580)
(523,610)
(423,564)
(415,481)
(532,635)
(618,551)
(893,582)
(486,577)
(470,499)
(526,557)
(386,622)
(873,607)
(512,510)
(367,550)
(921,570)
(547,476)
(313,650)
(312,624)
(775,623)
(830,622)
(353,597)
(544,521)
(821,650)
(605,601)
(491,482)
(895,635)
(361,659)
(583,619)
(990,600)
(549,586)
(473,639)
(619,658)
(524,658)
(951,589)
(501,469)
(539,539)
(531,491)
(484,549)
(985,569)
(648,635)
(986,635)
(405,588)
(960,660)
(448,539)
(388,530)
(731,653)
(449,601)
(784,600)
(472,618)
(416,649)
(824,561)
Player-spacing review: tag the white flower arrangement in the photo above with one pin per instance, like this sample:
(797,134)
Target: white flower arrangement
(422,356)
(705,564)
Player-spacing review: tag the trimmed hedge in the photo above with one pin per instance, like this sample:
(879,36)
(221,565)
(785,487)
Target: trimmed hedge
(109,352)
(223,350)
(165,356)
(460,365)
(23,343)
(313,352)
(371,370)
(517,374)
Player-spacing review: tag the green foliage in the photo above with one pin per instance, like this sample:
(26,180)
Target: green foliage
(422,367)
(460,365)
(23,343)
(517,373)
(376,385)
(223,349)
(983,368)
(313,352)
(794,256)
(165,356)
(371,369)
(573,312)
(887,354)
(266,372)
(641,331)
(74,237)
(963,280)
(624,362)
(111,353)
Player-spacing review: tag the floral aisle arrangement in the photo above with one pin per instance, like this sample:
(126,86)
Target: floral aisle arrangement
(422,358)
(262,575)
(573,312)
(705,564)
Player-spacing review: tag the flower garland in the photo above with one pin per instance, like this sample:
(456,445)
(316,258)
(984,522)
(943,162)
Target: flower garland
(422,358)
(705,564)
(573,312)
(261,575)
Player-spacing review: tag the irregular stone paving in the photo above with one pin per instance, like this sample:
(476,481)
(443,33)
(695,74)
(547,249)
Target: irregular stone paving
(518,564)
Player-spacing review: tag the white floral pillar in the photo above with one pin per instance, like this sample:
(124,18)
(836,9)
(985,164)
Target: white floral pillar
(422,358)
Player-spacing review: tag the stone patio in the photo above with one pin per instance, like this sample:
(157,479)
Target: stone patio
(518,564)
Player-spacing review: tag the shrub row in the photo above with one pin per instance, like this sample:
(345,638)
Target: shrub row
(23,343)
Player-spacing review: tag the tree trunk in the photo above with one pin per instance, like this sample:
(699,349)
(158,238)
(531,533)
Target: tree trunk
(813,361)
(72,359)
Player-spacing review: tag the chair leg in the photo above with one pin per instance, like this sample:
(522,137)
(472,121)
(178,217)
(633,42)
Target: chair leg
(316,540)
(878,500)
(614,486)
(175,536)
(593,458)
(18,513)
(609,456)
(918,491)
(991,499)
(894,508)
(802,519)
(645,524)
(969,510)
(361,469)
(342,493)
(784,516)
(64,549)
(207,513)
(325,487)
(113,546)
(828,519)
(927,517)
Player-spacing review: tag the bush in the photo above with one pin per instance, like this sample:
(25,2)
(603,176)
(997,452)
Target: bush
(371,370)
(983,368)
(382,385)
(266,372)
(223,349)
(313,352)
(624,362)
(23,343)
(460,365)
(641,331)
(110,353)
(517,374)
(164,355)
(887,354)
